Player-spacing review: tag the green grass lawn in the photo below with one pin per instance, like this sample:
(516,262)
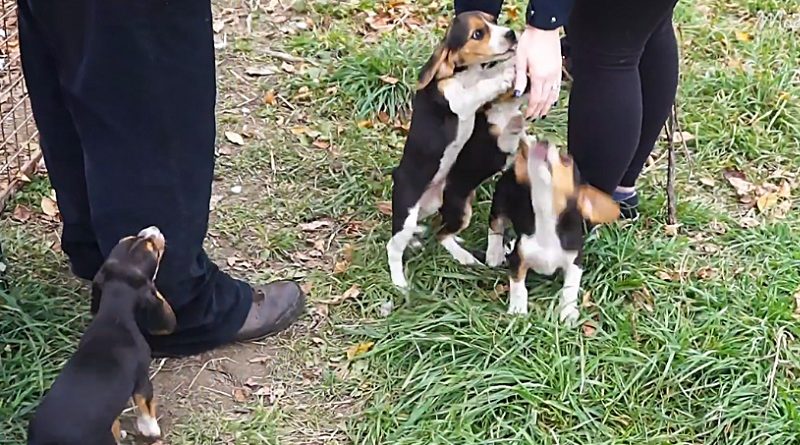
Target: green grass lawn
(694,331)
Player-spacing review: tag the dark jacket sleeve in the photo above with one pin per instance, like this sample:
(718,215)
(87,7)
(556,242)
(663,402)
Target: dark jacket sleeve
(542,14)
(549,14)
(492,7)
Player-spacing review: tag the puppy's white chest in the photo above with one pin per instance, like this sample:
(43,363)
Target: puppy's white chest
(543,253)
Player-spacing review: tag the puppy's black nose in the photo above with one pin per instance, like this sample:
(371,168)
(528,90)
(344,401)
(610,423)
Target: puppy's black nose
(511,36)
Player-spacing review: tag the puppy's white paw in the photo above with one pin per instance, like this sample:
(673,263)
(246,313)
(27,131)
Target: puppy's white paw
(518,307)
(569,315)
(415,243)
(459,253)
(148,426)
(400,282)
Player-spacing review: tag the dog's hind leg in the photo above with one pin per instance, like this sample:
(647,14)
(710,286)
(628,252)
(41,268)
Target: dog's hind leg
(117,431)
(406,195)
(456,214)
(143,399)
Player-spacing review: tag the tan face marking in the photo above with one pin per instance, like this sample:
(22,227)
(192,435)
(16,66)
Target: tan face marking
(563,182)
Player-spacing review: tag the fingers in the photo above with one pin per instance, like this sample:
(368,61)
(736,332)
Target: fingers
(536,99)
(521,80)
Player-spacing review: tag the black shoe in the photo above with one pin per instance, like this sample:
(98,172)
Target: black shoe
(276,306)
(629,207)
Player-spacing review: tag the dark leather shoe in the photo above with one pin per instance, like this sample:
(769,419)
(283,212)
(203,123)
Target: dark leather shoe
(275,307)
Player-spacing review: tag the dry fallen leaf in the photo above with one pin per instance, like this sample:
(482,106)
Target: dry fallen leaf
(389,79)
(259,360)
(785,190)
(671,229)
(270,97)
(319,143)
(288,67)
(49,206)
(385,207)
(258,71)
(589,329)
(766,201)
(643,299)
(707,181)
(749,222)
(743,36)
(364,124)
(347,257)
(666,276)
(359,349)
(21,213)
(240,395)
(741,186)
(383,117)
(234,138)
(706,273)
(349,294)
(586,301)
(314,225)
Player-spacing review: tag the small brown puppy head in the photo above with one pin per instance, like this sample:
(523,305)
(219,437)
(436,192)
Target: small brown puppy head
(554,184)
(134,262)
(472,38)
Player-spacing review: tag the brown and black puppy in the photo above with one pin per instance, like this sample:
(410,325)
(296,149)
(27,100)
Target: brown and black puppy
(456,82)
(544,199)
(112,362)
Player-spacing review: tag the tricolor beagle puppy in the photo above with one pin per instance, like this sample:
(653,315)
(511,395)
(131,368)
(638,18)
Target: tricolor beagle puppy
(470,68)
(543,198)
(112,362)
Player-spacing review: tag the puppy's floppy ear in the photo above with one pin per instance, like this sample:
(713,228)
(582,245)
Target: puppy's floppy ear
(438,66)
(521,161)
(97,290)
(597,206)
(159,318)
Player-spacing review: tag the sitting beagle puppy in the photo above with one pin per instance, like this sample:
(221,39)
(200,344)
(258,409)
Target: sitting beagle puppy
(543,198)
(471,67)
(112,362)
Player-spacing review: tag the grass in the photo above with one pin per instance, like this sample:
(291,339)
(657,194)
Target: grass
(694,335)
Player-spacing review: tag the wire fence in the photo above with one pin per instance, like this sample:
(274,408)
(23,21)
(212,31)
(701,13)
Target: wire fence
(19,150)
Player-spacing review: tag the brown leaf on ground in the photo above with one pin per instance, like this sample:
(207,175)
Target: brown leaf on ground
(21,213)
(342,265)
(234,137)
(586,301)
(589,329)
(385,207)
(389,79)
(671,229)
(364,124)
(708,182)
(749,222)
(259,71)
(349,294)
(743,36)
(706,273)
(766,201)
(383,117)
(359,349)
(739,182)
(270,98)
(319,143)
(240,395)
(314,226)
(49,206)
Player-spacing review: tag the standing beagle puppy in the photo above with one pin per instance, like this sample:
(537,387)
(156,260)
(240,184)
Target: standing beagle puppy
(112,362)
(544,200)
(456,82)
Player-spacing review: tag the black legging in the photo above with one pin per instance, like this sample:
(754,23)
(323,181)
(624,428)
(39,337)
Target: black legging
(624,60)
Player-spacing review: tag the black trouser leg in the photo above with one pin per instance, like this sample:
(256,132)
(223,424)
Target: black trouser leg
(61,145)
(616,102)
(136,81)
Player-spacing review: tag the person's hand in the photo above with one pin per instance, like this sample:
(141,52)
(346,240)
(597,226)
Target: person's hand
(539,56)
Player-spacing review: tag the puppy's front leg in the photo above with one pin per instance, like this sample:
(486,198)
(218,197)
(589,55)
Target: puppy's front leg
(517,292)
(568,304)
(466,101)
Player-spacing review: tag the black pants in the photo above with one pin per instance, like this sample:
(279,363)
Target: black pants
(625,70)
(123,94)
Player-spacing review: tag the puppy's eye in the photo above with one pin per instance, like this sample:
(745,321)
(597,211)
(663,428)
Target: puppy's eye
(477,35)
